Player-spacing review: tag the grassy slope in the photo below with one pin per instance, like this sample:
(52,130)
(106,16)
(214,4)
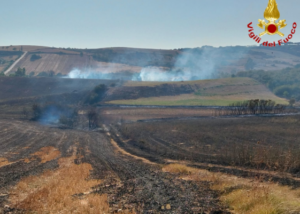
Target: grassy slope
(212,92)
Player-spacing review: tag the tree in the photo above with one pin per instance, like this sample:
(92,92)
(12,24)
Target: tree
(286,94)
(93,118)
(20,72)
(51,73)
(292,101)
(37,111)
(249,64)
(97,94)
(35,57)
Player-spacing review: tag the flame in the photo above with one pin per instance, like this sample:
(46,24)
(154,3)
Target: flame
(272,12)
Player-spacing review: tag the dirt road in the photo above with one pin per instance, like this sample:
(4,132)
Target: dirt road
(128,182)
(16,62)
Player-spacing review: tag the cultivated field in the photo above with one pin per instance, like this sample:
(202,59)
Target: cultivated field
(64,63)
(220,92)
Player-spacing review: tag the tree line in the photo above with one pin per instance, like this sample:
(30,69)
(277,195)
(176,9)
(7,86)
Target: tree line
(284,83)
(253,107)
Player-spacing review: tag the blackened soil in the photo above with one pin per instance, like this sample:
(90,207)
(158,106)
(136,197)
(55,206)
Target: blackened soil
(129,183)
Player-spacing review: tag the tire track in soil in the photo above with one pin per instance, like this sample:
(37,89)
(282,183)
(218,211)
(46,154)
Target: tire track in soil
(129,183)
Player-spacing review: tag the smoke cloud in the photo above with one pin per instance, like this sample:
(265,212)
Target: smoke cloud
(50,115)
(190,64)
(78,74)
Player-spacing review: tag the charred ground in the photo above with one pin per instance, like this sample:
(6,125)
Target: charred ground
(115,150)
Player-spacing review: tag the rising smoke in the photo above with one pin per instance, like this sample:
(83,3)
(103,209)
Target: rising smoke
(191,64)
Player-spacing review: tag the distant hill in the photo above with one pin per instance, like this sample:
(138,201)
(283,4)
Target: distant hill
(223,60)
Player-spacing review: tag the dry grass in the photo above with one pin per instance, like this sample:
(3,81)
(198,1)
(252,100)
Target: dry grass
(122,151)
(244,196)
(52,192)
(4,162)
(192,99)
(47,154)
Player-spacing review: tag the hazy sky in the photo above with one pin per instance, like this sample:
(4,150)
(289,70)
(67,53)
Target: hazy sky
(162,24)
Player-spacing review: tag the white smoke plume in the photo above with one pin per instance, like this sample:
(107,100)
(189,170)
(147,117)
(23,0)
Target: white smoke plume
(191,64)
(78,74)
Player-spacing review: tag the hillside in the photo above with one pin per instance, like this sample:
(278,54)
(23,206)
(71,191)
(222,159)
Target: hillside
(202,92)
(217,61)
(20,87)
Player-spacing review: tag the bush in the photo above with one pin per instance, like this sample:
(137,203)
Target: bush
(36,111)
(46,74)
(93,118)
(20,72)
(43,74)
(35,57)
(97,94)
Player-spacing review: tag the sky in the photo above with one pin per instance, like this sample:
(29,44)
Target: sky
(158,24)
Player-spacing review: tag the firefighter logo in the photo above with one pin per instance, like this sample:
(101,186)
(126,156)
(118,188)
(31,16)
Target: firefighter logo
(272,14)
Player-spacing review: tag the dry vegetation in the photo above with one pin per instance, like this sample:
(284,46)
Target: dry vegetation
(4,162)
(47,154)
(244,196)
(53,191)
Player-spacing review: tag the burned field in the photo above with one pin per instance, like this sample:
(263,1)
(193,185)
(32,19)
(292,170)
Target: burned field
(133,160)
(31,150)
(50,168)
(262,143)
